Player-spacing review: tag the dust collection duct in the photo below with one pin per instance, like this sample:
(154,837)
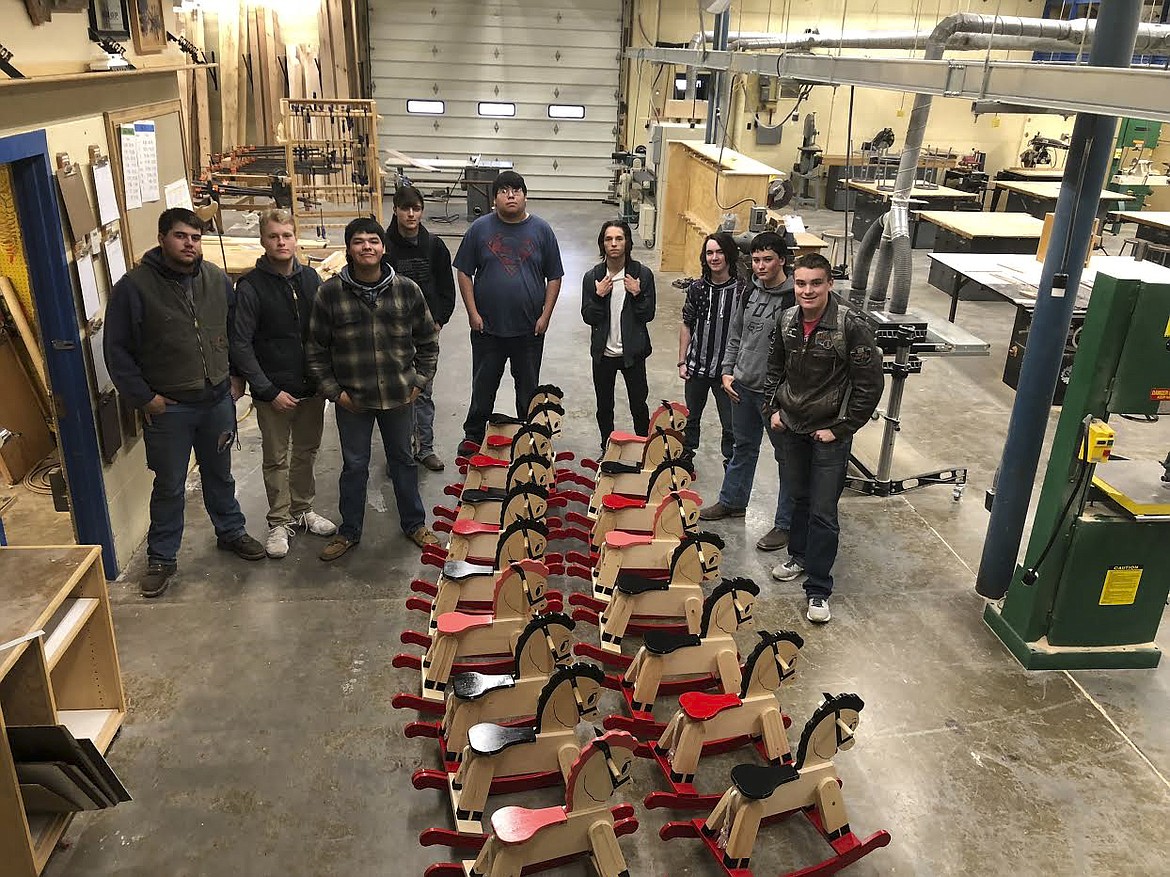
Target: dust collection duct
(960,32)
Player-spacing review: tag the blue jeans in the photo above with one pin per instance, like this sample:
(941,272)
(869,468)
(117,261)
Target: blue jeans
(749,424)
(424,422)
(355,432)
(815,475)
(695,392)
(489,355)
(210,430)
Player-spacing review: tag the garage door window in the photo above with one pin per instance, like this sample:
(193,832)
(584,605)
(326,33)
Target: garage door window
(494,108)
(426,107)
(566,111)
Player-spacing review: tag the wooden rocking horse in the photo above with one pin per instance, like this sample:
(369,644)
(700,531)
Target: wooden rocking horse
(527,841)
(519,596)
(636,559)
(648,484)
(485,473)
(707,724)
(491,691)
(676,514)
(545,409)
(496,506)
(668,417)
(480,544)
(763,794)
(499,759)
(711,652)
(529,438)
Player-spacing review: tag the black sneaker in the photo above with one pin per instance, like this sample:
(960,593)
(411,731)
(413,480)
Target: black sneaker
(244,546)
(158,576)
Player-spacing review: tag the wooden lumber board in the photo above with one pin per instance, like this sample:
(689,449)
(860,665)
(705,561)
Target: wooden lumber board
(27,335)
(354,47)
(326,52)
(339,47)
(271,79)
(20,413)
(229,81)
(258,115)
(242,81)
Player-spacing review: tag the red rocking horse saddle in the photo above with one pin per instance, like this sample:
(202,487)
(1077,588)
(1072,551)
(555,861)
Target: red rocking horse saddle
(515,825)
(700,707)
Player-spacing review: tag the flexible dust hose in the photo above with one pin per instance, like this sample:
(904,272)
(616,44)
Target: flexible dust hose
(862,259)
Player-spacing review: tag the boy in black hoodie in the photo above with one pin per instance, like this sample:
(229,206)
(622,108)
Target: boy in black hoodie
(414,252)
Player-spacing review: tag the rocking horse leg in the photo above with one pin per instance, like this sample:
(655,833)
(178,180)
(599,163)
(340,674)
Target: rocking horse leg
(484,862)
(730,675)
(693,609)
(437,664)
(634,668)
(670,734)
(687,750)
(720,815)
(446,600)
(831,806)
(613,621)
(744,828)
(775,739)
(607,854)
(472,782)
(646,684)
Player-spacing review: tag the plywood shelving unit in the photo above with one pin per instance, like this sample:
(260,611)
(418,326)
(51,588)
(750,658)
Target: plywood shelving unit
(69,676)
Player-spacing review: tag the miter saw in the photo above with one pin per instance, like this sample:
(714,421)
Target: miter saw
(1037,154)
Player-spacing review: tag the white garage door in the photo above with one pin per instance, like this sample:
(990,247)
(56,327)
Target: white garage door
(538,59)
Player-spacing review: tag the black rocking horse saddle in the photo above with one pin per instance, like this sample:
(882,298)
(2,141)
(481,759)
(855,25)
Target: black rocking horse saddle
(661,642)
(472,686)
(504,420)
(620,467)
(483,494)
(633,585)
(488,739)
(458,570)
(759,781)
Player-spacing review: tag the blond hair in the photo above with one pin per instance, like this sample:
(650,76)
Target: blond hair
(277,216)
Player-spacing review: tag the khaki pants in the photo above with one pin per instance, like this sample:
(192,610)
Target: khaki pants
(288,475)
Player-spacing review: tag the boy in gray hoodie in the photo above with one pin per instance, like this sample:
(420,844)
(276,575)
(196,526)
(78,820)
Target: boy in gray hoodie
(745,372)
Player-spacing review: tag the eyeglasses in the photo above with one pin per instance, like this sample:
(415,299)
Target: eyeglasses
(508,190)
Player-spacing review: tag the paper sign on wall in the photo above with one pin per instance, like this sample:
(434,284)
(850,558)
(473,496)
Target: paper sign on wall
(89,290)
(131,181)
(115,259)
(144,138)
(178,194)
(103,184)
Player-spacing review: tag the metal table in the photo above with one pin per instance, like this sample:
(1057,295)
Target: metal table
(1039,198)
(964,232)
(873,199)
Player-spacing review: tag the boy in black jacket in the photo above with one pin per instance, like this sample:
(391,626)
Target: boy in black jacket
(617,300)
(273,303)
(414,252)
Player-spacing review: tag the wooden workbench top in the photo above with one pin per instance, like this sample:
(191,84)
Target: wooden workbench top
(32,583)
(731,163)
(1152,218)
(1036,173)
(977,224)
(925,194)
(1051,189)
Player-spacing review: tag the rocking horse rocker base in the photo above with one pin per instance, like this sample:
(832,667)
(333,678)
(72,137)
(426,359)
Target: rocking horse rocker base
(470,824)
(847,848)
(624,823)
(683,794)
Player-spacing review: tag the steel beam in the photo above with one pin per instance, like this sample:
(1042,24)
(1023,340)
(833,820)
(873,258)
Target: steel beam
(1143,94)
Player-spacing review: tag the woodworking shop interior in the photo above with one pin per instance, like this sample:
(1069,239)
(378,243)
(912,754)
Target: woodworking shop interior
(989,183)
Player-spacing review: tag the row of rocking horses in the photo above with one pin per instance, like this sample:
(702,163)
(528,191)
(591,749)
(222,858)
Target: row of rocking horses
(500,672)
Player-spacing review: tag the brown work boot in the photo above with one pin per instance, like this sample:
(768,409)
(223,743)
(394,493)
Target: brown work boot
(718,511)
(423,536)
(336,547)
(432,462)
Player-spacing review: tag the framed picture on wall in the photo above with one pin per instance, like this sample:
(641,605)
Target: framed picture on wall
(109,18)
(147,26)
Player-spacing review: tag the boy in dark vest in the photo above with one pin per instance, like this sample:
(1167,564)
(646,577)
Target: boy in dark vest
(273,303)
(166,346)
(414,252)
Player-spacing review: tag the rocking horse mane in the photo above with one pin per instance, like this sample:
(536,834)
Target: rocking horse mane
(830,706)
(530,524)
(690,539)
(531,426)
(525,487)
(549,390)
(578,670)
(525,565)
(549,405)
(675,497)
(609,740)
(767,640)
(525,459)
(727,586)
(540,622)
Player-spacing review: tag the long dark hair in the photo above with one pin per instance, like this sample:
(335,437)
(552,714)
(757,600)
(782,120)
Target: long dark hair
(730,252)
(615,223)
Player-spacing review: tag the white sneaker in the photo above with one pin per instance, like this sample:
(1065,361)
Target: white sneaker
(318,525)
(788,570)
(818,610)
(277,544)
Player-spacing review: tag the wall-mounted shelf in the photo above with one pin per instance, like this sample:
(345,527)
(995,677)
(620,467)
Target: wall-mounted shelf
(69,676)
(98,75)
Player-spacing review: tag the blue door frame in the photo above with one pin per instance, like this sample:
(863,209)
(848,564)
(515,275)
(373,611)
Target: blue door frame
(36,205)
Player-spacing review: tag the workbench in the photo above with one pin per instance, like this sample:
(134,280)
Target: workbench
(1039,198)
(242,253)
(839,170)
(1031,174)
(963,231)
(690,211)
(1152,225)
(873,199)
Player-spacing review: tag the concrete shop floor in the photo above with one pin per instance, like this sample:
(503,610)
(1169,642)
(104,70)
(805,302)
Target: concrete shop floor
(261,741)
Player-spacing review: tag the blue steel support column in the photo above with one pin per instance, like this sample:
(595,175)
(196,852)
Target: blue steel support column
(715,87)
(1089,154)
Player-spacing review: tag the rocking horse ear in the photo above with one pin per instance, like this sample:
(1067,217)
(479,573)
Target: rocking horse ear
(826,696)
(597,732)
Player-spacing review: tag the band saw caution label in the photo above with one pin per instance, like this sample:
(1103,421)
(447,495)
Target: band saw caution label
(1121,586)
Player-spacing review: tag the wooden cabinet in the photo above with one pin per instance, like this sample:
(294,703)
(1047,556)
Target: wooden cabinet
(69,675)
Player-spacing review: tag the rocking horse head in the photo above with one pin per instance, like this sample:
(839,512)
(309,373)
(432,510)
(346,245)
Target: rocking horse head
(771,662)
(667,476)
(728,607)
(600,770)
(696,558)
(669,415)
(524,501)
(677,514)
(570,695)
(521,588)
(545,643)
(533,438)
(830,730)
(661,444)
(531,469)
(546,393)
(548,414)
(523,538)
